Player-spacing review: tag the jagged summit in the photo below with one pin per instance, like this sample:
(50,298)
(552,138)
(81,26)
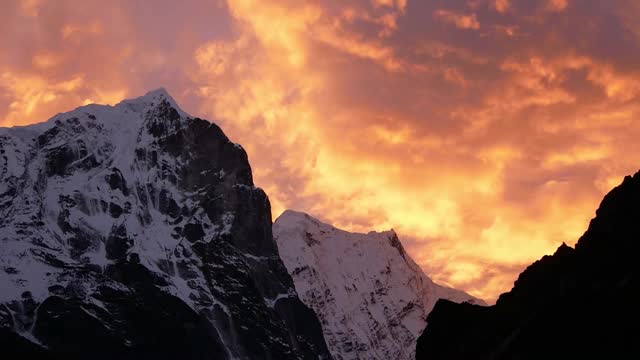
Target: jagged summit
(159,93)
(151,98)
(371,297)
(115,116)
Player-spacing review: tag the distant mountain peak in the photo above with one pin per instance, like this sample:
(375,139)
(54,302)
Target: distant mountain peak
(293,218)
(371,297)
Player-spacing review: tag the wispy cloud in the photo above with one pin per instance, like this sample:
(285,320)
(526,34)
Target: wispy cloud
(463,21)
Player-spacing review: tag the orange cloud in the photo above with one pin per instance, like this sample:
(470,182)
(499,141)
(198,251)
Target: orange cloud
(31,7)
(74,30)
(31,94)
(502,5)
(461,21)
(46,60)
(557,5)
(484,149)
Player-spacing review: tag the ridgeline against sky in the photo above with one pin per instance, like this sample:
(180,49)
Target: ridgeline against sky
(484,132)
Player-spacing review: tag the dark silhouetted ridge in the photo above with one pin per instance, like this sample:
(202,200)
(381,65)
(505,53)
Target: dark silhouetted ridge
(576,303)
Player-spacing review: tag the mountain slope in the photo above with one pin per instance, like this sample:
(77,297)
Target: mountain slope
(372,299)
(576,303)
(135,232)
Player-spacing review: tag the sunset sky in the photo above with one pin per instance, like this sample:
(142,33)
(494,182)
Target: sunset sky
(485,132)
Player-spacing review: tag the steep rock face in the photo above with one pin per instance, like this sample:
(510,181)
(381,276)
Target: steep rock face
(576,303)
(135,232)
(371,298)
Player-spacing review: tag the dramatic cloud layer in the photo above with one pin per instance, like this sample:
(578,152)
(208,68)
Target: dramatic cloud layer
(484,131)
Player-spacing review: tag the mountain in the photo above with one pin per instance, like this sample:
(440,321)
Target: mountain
(372,299)
(135,232)
(576,303)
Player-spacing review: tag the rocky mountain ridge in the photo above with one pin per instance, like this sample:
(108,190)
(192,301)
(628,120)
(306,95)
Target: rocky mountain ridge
(577,303)
(135,232)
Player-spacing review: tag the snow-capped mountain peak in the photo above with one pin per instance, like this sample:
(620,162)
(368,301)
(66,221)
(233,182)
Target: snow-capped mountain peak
(152,98)
(143,225)
(371,297)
